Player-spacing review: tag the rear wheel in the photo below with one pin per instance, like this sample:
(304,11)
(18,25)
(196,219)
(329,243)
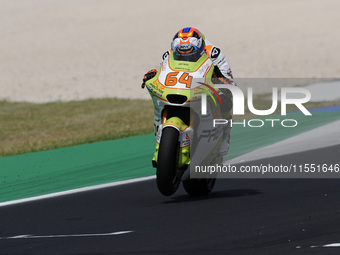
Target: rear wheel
(168,175)
(199,187)
(203,186)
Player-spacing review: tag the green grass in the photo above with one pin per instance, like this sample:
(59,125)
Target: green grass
(28,127)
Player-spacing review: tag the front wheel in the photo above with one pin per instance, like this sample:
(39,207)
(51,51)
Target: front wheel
(168,175)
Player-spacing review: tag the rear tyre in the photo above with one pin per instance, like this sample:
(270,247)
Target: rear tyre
(168,175)
(199,187)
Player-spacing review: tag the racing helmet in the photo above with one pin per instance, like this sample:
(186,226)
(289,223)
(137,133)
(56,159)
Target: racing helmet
(188,44)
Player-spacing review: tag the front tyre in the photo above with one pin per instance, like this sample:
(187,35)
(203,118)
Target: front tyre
(168,175)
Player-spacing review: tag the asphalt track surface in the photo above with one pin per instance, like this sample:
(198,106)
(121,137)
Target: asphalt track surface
(241,216)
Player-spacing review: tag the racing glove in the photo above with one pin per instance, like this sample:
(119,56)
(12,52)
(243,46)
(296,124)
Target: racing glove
(221,80)
(149,75)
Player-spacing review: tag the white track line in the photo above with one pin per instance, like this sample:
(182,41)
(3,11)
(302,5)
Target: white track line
(326,245)
(74,191)
(63,236)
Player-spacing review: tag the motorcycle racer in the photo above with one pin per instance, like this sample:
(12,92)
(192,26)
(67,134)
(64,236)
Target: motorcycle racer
(189,44)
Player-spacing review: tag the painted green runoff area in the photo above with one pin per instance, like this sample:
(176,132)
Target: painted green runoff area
(46,172)
(51,171)
(247,139)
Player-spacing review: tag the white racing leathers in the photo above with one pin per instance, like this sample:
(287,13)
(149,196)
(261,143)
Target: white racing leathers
(222,69)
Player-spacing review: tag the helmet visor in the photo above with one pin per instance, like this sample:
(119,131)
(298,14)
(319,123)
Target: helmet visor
(187,52)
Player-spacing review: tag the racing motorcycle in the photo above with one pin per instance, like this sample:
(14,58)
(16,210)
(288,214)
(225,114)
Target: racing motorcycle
(185,137)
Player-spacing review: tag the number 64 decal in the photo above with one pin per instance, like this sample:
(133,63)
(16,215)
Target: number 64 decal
(171,79)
